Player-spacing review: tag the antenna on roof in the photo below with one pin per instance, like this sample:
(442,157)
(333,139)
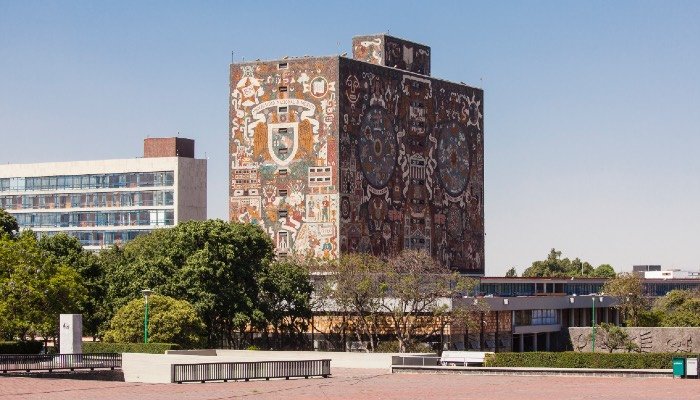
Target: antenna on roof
(231,56)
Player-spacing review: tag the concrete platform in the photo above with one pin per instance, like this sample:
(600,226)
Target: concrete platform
(155,368)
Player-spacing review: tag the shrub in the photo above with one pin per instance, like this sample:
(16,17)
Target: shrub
(21,347)
(170,321)
(150,348)
(570,359)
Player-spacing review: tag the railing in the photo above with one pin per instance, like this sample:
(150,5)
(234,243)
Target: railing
(415,361)
(225,371)
(50,362)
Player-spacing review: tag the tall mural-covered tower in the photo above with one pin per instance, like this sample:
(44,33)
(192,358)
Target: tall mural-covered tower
(334,155)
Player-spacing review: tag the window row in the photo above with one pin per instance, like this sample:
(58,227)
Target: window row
(87,200)
(531,289)
(100,238)
(101,181)
(536,317)
(97,218)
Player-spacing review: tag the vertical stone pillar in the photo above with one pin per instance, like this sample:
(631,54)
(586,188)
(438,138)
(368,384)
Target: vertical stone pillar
(534,342)
(71,333)
(522,342)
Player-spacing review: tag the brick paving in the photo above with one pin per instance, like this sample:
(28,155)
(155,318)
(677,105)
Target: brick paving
(364,385)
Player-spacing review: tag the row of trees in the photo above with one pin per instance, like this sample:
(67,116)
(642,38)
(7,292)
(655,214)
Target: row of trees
(676,308)
(404,296)
(226,271)
(217,280)
(556,267)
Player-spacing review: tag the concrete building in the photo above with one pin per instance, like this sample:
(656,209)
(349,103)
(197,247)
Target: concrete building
(333,155)
(671,274)
(105,202)
(640,270)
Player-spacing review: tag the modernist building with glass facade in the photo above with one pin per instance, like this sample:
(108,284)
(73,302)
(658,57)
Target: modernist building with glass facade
(108,202)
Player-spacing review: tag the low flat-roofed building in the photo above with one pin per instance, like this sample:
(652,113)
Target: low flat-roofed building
(105,202)
(671,274)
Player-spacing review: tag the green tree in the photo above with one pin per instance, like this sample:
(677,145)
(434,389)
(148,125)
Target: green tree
(511,273)
(285,298)
(552,266)
(67,250)
(170,321)
(34,289)
(353,285)
(627,288)
(413,288)
(555,266)
(604,271)
(678,308)
(212,264)
(613,338)
(8,223)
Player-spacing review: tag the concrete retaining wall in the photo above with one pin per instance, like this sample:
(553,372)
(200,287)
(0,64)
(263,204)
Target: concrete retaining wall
(631,373)
(649,340)
(203,352)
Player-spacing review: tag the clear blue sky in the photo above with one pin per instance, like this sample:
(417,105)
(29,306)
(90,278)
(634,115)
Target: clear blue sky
(591,108)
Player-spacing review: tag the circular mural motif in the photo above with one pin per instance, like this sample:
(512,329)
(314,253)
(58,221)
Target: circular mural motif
(453,158)
(377,147)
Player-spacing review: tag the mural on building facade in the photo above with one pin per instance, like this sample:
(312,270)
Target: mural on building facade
(392,52)
(283,152)
(411,173)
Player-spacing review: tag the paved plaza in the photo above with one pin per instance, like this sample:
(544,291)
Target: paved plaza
(364,384)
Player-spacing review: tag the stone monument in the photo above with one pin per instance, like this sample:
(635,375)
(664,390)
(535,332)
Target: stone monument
(71,333)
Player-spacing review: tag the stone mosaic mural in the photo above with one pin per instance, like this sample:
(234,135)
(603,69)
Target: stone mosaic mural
(334,155)
(411,165)
(283,152)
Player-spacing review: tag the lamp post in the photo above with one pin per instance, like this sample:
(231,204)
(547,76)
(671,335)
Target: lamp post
(593,322)
(146,293)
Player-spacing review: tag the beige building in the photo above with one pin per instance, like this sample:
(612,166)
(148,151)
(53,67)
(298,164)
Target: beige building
(105,202)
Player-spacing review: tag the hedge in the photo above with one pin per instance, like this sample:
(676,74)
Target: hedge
(151,348)
(19,347)
(570,359)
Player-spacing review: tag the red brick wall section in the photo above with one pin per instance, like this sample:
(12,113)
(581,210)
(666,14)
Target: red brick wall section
(168,147)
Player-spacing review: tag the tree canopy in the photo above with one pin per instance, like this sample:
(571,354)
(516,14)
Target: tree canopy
(285,297)
(628,289)
(170,321)
(354,287)
(212,264)
(676,308)
(66,250)
(8,223)
(556,267)
(34,289)
(406,292)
